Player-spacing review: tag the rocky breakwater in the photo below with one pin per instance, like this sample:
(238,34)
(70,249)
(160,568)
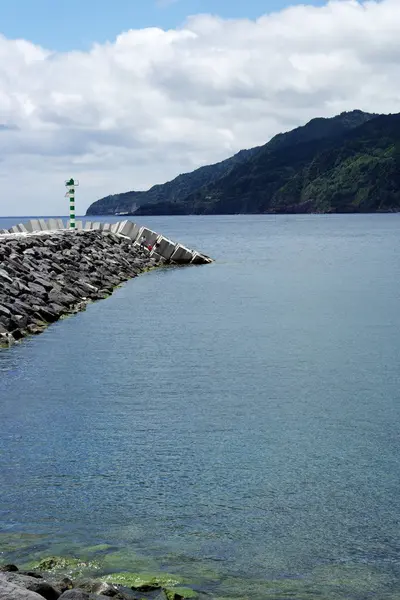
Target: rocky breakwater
(44,276)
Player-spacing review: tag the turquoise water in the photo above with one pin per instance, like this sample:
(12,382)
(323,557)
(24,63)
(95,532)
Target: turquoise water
(237,422)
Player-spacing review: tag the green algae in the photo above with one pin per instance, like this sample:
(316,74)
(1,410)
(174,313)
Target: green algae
(192,568)
(138,580)
(344,579)
(176,593)
(14,542)
(327,582)
(127,561)
(277,589)
(94,549)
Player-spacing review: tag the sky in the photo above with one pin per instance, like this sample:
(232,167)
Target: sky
(127,94)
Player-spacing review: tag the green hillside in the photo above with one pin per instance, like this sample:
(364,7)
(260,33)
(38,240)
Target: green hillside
(358,172)
(349,163)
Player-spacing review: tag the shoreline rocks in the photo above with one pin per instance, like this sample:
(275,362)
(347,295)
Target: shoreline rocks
(35,585)
(44,277)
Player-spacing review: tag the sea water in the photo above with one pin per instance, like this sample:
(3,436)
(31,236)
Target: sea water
(235,423)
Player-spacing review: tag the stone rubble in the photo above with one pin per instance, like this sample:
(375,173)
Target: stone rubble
(19,585)
(44,277)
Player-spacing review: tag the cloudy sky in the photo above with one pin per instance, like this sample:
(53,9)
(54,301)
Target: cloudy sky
(130,93)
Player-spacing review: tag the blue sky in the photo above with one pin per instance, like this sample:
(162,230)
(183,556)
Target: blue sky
(76,24)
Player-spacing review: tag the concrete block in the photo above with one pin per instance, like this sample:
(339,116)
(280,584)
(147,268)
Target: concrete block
(43,225)
(106,227)
(60,224)
(96,226)
(52,224)
(78,225)
(22,228)
(4,231)
(33,225)
(134,232)
(130,229)
(182,255)
(151,236)
(166,248)
(200,259)
(13,229)
(88,225)
(122,225)
(115,227)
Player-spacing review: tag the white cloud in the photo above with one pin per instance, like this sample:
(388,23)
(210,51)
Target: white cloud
(156,103)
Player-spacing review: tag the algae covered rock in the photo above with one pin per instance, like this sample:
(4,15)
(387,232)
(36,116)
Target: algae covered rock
(144,581)
(51,563)
(71,566)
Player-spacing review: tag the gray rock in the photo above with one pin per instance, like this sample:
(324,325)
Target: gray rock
(39,586)
(61,298)
(57,309)
(19,321)
(95,586)
(23,307)
(47,285)
(8,568)
(4,311)
(37,290)
(9,591)
(64,585)
(4,276)
(78,594)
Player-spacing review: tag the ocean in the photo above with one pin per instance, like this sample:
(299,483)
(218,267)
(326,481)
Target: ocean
(235,423)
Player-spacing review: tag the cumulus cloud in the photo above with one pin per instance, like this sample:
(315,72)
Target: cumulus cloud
(155,103)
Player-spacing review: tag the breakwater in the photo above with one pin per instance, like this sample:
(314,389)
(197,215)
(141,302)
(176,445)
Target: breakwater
(47,272)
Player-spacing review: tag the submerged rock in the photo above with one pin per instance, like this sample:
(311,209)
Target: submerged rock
(144,582)
(180,593)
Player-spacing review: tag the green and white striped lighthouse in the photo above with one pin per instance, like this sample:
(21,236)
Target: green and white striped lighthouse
(71,184)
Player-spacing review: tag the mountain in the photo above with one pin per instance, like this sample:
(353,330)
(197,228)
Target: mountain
(172,192)
(347,163)
(356,172)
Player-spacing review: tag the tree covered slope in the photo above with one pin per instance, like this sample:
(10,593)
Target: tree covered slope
(349,163)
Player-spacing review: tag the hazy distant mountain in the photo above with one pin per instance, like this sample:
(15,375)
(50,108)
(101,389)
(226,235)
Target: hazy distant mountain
(173,191)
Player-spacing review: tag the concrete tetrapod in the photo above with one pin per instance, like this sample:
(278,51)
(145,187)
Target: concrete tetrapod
(167,249)
(182,254)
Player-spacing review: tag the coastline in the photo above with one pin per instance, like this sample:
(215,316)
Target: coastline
(67,578)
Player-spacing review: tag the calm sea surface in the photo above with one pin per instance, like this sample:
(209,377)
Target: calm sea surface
(236,423)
